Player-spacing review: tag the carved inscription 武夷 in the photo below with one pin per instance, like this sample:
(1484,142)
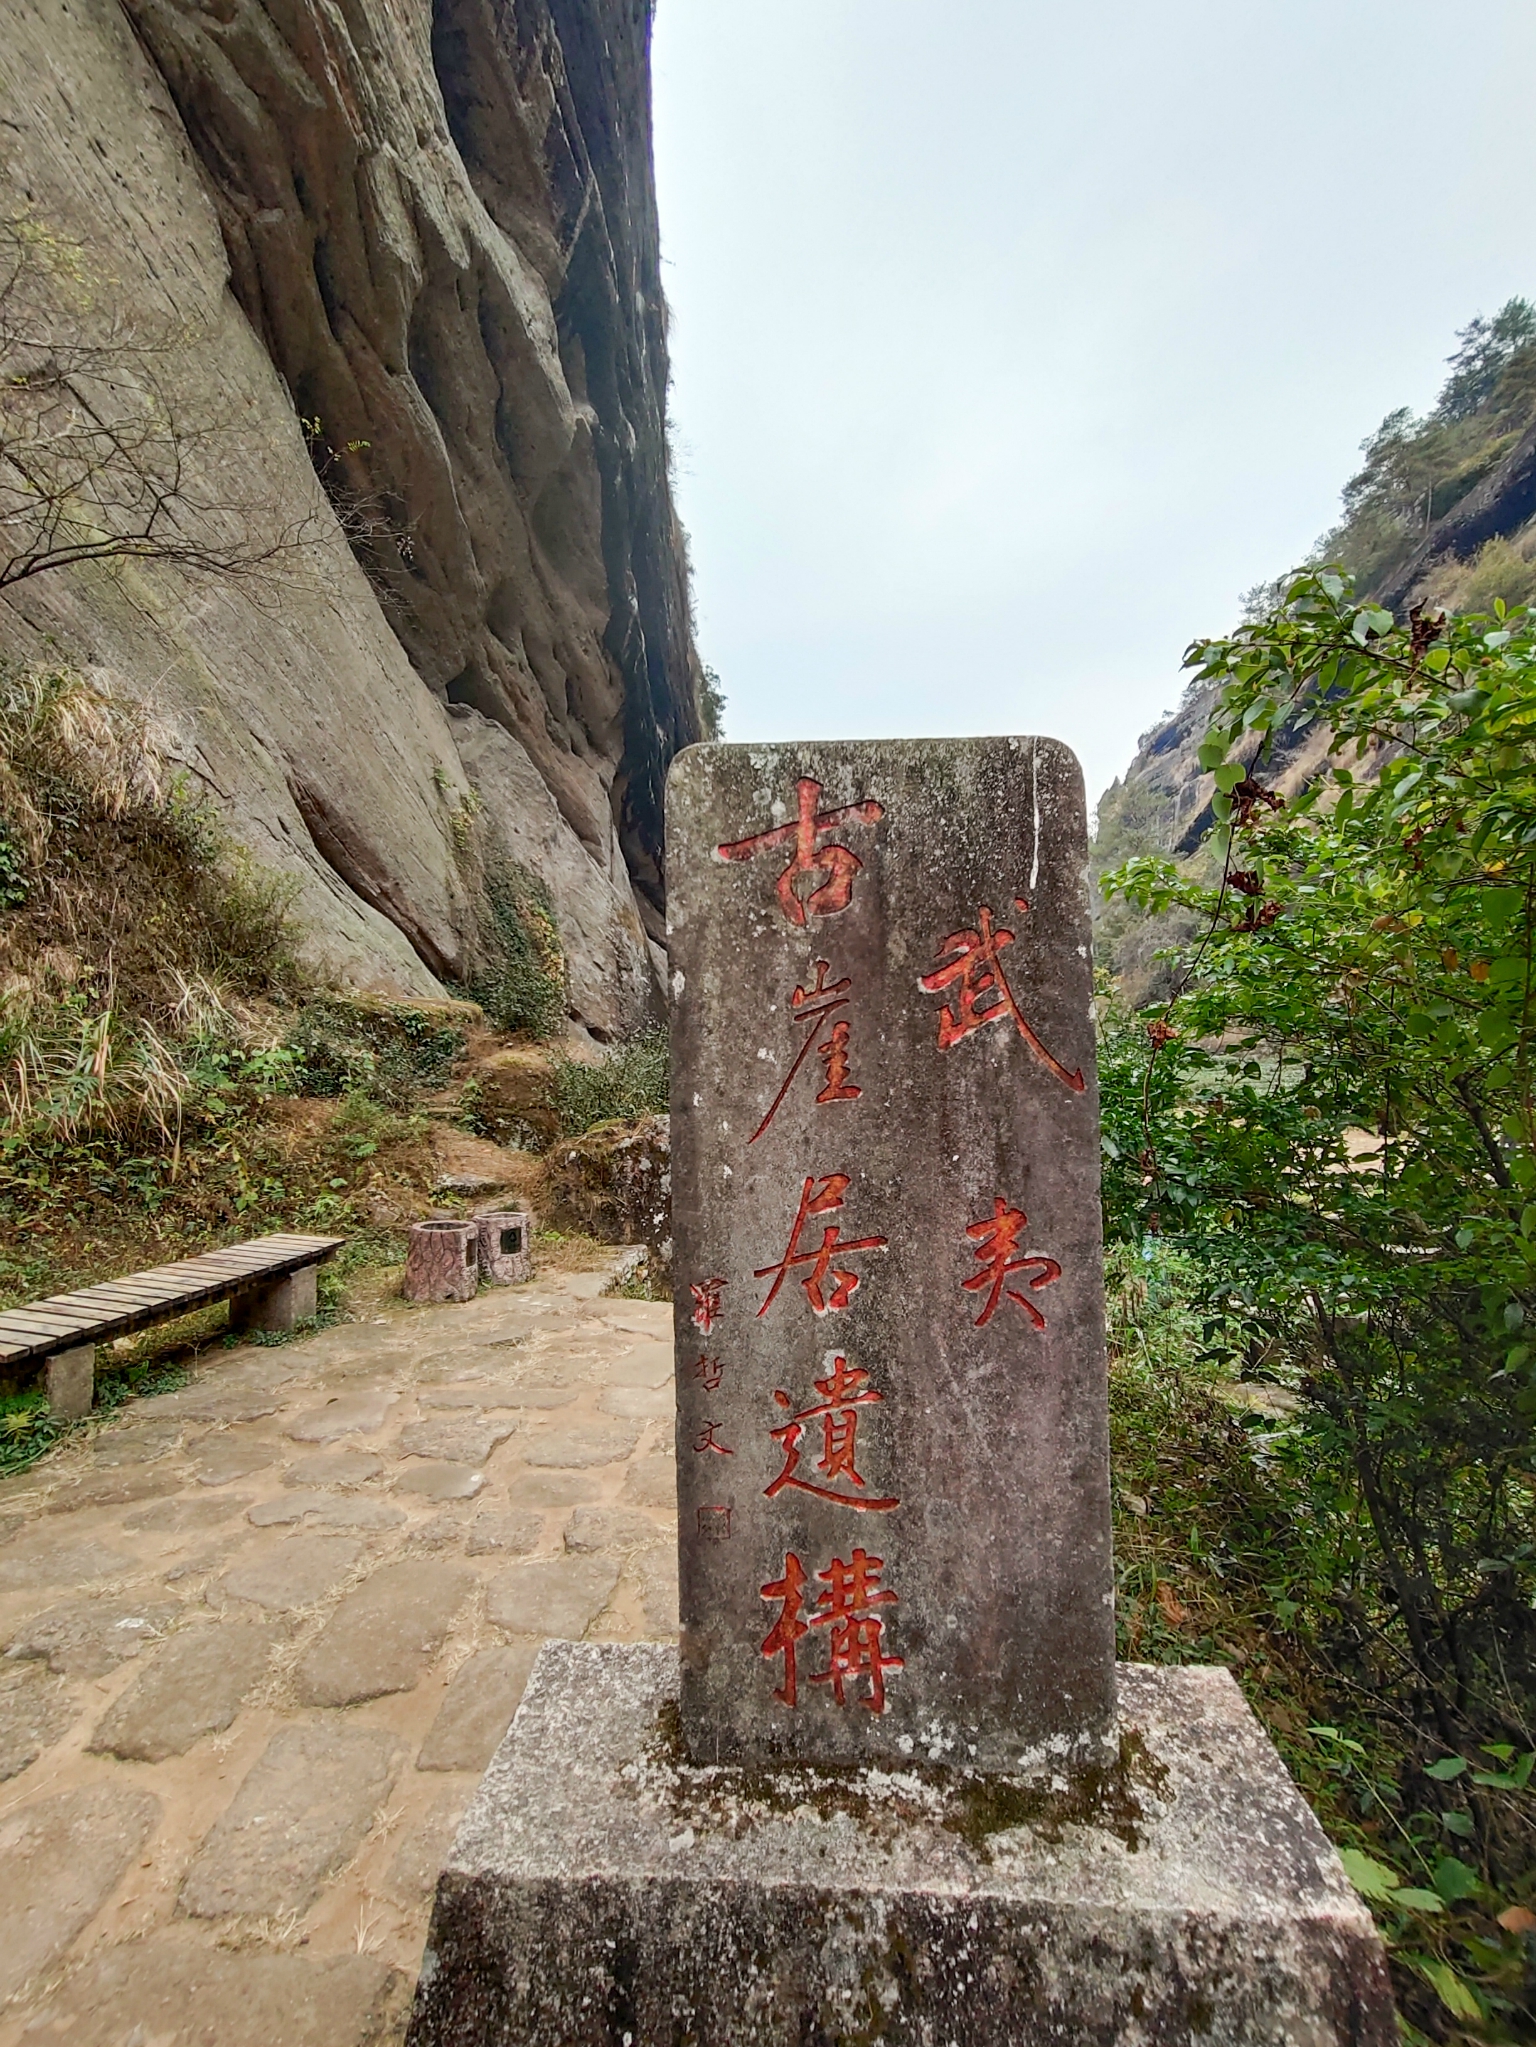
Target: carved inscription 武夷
(969,965)
(996,1238)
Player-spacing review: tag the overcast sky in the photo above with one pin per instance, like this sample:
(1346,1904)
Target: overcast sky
(1012,342)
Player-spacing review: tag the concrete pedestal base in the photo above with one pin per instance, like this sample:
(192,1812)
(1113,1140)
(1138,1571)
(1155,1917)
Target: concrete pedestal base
(282,1304)
(602,1890)
(71,1382)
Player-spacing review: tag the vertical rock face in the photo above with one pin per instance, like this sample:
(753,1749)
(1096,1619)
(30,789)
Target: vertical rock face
(425,229)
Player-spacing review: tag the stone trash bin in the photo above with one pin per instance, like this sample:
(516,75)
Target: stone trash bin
(441,1262)
(505,1246)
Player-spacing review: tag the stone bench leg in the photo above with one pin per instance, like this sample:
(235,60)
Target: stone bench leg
(280,1304)
(71,1382)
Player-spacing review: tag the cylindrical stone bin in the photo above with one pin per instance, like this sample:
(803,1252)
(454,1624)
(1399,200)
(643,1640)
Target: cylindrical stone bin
(441,1263)
(506,1239)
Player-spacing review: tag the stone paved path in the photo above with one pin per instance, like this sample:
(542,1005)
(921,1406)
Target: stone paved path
(262,1635)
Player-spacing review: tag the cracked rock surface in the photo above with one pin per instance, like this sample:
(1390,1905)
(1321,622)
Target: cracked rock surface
(238,1723)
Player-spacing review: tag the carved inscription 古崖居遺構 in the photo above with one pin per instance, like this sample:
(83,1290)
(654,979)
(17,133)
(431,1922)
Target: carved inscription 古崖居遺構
(885,1224)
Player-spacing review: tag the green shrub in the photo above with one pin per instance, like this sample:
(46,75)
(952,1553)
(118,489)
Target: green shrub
(521,985)
(632,1080)
(343,1046)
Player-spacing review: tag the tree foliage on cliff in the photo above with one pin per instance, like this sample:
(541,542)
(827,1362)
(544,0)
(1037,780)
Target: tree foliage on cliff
(1334,1121)
(1417,469)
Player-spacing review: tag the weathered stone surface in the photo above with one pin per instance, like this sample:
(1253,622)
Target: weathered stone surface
(648,1364)
(382,1636)
(108,1489)
(591,1529)
(330,1510)
(440,1481)
(530,1393)
(62,1858)
(345,1414)
(183,1517)
(478,1709)
(172,1993)
(212,1402)
(598,1887)
(87,1638)
(221,1460)
(455,1441)
(192,1687)
(552,1596)
(475,1396)
(581,1445)
(132,1441)
(343,1468)
(300,1571)
(35,1709)
(638,1403)
(412,1874)
(883,1071)
(512,1534)
(302,1811)
(37,1560)
(652,1482)
(656,1575)
(559,1488)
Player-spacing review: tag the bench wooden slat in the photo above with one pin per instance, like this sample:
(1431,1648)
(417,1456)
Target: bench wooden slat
(115,1306)
(20,1322)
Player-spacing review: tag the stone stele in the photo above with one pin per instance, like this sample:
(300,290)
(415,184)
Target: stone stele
(892,1457)
(604,1892)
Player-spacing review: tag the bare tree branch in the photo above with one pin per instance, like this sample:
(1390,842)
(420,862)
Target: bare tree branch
(100,457)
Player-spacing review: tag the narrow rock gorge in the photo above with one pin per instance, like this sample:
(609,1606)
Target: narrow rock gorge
(396,270)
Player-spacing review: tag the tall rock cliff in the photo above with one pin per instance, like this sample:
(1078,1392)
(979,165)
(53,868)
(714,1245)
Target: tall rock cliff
(400,263)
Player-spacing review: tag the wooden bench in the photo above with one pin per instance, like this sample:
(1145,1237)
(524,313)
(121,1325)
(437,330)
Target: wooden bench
(269,1283)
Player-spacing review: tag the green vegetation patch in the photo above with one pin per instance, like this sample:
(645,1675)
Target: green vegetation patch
(631,1080)
(521,983)
(344,1045)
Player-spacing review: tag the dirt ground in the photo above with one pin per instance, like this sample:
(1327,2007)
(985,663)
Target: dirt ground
(261,1636)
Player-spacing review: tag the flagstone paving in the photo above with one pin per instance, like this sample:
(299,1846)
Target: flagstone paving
(261,1636)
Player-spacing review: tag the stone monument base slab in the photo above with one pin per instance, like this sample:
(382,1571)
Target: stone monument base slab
(604,1890)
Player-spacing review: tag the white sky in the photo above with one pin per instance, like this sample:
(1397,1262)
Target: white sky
(1012,342)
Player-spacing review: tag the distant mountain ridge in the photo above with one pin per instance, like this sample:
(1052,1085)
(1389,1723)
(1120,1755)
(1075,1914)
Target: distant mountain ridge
(1441,513)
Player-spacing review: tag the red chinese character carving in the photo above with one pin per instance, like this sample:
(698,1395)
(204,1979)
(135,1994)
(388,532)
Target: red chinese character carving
(983,995)
(996,1238)
(788,1629)
(814,1006)
(706,1303)
(853,1591)
(832,1245)
(711,1371)
(844,1391)
(705,1440)
(836,862)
